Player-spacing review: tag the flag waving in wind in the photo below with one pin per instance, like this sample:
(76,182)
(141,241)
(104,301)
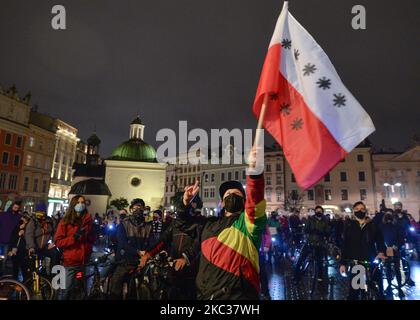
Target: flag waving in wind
(309,111)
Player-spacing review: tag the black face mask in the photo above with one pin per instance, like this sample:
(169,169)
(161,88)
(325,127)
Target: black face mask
(388,219)
(234,203)
(360,214)
(138,212)
(138,215)
(318,214)
(398,211)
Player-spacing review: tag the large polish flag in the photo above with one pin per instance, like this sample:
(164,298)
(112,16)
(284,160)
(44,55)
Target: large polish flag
(309,111)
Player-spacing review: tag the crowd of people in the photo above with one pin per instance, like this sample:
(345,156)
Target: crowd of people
(220,257)
(388,235)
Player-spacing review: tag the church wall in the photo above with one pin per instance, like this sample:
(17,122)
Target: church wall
(121,178)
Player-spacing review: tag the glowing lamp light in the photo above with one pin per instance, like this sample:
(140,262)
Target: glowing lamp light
(394,200)
(273,239)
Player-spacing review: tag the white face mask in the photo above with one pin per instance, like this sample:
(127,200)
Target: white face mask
(79,208)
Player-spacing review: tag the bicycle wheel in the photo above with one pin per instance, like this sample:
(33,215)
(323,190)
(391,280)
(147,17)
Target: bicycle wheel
(78,292)
(373,292)
(45,291)
(311,276)
(405,271)
(144,293)
(13,290)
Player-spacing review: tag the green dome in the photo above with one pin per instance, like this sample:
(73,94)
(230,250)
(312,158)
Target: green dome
(134,150)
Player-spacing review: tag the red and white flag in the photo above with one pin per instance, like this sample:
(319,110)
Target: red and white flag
(309,111)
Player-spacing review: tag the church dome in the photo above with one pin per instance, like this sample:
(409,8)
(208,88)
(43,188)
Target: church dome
(94,140)
(91,187)
(137,120)
(134,150)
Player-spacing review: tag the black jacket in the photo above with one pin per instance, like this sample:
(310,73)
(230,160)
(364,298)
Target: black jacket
(132,235)
(317,230)
(17,241)
(181,237)
(361,242)
(393,234)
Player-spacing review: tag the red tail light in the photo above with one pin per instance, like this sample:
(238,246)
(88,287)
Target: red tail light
(79,275)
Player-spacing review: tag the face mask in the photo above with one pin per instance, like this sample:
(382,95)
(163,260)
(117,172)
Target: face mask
(234,203)
(138,212)
(398,211)
(360,214)
(318,214)
(79,208)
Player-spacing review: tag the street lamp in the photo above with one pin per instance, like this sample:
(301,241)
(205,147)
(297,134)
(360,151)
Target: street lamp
(398,184)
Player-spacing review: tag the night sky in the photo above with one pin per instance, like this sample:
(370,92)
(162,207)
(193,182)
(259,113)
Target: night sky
(200,60)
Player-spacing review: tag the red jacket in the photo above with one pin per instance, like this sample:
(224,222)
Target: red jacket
(75,253)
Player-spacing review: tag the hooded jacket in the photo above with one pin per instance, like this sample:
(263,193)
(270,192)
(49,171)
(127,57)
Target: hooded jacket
(75,252)
(229,261)
(38,233)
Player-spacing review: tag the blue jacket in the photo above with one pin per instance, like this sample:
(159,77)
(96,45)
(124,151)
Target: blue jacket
(8,223)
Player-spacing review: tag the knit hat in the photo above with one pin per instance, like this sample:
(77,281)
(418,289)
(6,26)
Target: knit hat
(138,202)
(231,185)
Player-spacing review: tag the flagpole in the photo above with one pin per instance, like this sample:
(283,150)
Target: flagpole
(261,119)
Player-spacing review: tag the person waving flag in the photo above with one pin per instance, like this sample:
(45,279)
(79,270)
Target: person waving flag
(305,106)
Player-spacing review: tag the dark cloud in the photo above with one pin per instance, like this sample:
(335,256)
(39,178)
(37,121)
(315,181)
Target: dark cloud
(200,60)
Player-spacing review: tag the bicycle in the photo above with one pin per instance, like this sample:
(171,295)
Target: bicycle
(99,288)
(154,281)
(333,254)
(296,242)
(309,267)
(39,286)
(11,289)
(371,289)
(403,267)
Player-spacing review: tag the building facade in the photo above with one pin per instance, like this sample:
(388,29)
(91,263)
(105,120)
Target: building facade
(350,181)
(397,178)
(61,174)
(14,119)
(37,163)
(274,174)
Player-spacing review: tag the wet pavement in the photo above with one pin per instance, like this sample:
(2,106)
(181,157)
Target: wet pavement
(335,287)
